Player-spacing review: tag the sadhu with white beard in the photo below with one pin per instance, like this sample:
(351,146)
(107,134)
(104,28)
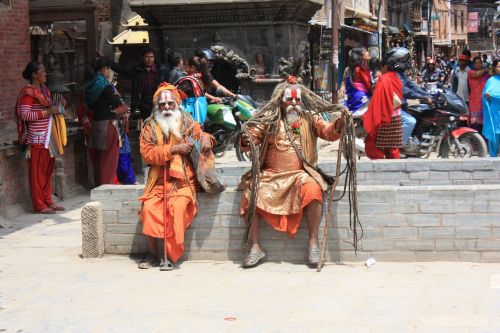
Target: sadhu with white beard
(290,184)
(171,179)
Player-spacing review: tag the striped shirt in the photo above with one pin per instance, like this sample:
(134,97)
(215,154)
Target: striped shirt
(36,125)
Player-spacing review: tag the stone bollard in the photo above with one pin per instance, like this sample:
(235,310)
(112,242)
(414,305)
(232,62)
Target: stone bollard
(92,230)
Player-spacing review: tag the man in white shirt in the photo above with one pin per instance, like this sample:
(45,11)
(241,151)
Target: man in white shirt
(459,82)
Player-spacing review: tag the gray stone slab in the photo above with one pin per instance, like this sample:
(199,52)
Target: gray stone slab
(417,166)
(437,232)
(471,220)
(422,220)
(414,245)
(460,175)
(483,245)
(451,244)
(420,175)
(451,207)
(472,233)
(376,245)
(445,165)
(477,164)
(400,233)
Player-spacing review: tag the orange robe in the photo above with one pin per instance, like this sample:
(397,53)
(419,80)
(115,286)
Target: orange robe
(286,187)
(181,192)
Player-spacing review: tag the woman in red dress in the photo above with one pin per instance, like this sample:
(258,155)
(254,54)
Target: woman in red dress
(477,78)
(34,122)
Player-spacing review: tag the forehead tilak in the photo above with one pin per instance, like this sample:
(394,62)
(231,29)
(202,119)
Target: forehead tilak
(292,92)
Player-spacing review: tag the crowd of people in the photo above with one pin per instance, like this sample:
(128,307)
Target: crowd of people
(171,100)
(475,80)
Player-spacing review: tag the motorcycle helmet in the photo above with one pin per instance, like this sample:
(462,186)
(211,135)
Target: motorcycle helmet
(397,59)
(208,54)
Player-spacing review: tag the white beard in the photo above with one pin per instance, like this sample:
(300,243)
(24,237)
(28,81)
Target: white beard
(293,113)
(170,124)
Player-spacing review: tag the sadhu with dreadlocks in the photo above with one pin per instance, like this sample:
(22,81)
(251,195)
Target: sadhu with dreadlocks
(286,182)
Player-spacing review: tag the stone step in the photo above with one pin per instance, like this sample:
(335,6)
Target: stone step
(405,172)
(400,223)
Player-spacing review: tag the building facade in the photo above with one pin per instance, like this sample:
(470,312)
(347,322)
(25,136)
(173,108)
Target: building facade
(481,18)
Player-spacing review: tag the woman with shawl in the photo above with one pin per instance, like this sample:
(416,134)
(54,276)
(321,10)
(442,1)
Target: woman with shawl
(103,142)
(358,82)
(35,125)
(477,80)
(491,110)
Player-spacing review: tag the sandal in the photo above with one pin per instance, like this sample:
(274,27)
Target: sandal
(314,256)
(168,266)
(46,211)
(149,262)
(57,207)
(253,258)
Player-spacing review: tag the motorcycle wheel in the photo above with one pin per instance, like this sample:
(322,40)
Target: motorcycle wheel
(472,144)
(240,155)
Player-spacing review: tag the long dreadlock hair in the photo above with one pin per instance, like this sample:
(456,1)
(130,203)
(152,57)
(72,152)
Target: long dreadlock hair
(269,116)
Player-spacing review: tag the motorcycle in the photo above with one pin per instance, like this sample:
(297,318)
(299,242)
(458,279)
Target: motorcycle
(225,121)
(438,129)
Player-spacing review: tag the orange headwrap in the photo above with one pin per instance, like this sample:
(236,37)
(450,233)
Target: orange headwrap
(178,94)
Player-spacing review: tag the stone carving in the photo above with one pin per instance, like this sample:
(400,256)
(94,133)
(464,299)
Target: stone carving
(223,53)
(92,230)
(299,67)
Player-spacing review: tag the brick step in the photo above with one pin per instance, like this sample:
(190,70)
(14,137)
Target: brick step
(400,223)
(406,172)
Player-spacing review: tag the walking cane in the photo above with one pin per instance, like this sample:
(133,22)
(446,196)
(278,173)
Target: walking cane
(166,266)
(330,205)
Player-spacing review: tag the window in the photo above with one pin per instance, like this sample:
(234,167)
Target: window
(456,23)
(5,3)
(462,20)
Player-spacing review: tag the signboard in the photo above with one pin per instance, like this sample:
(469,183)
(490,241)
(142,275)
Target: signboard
(472,22)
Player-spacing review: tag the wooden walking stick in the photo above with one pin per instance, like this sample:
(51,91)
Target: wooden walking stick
(166,266)
(330,205)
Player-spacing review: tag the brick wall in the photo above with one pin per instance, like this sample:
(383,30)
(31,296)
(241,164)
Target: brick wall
(401,223)
(15,54)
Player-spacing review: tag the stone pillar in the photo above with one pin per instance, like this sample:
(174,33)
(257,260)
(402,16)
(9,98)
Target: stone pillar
(92,230)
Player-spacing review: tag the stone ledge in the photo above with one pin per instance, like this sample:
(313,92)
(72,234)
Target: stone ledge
(401,223)
(411,172)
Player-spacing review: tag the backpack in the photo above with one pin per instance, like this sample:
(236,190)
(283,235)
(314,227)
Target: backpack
(196,103)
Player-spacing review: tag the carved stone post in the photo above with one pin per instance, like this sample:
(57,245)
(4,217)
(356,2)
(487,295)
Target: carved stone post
(92,230)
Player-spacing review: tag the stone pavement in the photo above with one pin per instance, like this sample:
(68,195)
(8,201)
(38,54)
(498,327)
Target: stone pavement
(46,287)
